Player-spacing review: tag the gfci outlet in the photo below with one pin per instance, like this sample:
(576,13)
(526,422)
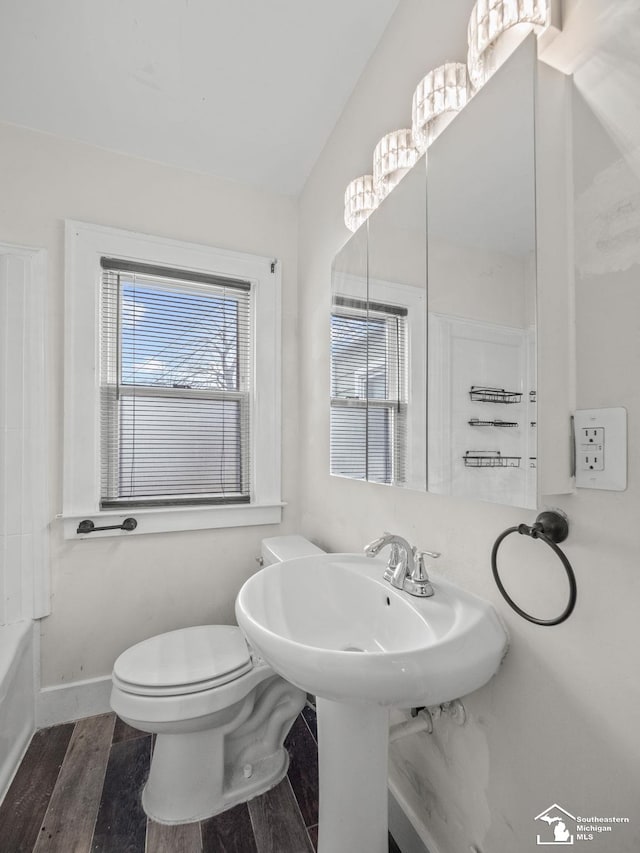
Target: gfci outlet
(601,448)
(590,449)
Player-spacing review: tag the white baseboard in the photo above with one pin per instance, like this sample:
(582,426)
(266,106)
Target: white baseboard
(66,702)
(11,764)
(408,831)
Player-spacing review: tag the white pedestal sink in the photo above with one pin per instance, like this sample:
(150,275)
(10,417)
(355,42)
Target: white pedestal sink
(332,626)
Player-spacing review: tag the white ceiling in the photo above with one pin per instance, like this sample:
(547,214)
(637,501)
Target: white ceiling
(244,89)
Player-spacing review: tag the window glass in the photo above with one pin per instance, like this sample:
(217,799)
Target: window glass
(175,390)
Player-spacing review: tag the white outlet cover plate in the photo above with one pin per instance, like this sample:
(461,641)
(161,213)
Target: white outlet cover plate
(613,476)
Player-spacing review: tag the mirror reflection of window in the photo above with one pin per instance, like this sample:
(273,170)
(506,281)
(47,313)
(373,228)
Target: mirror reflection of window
(379,292)
(368,390)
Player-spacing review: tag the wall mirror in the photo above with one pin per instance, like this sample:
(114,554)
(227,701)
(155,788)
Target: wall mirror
(482,295)
(436,308)
(378,343)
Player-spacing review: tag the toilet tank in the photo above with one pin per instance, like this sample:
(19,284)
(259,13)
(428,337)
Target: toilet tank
(279,548)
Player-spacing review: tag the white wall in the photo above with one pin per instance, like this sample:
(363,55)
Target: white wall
(559,722)
(110,593)
(483,285)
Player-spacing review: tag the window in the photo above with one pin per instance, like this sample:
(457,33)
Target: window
(368,390)
(175,387)
(172,383)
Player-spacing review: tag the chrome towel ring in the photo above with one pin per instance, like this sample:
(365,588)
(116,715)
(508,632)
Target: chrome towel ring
(550,527)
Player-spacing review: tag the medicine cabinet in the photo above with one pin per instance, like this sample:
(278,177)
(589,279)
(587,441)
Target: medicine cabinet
(451,321)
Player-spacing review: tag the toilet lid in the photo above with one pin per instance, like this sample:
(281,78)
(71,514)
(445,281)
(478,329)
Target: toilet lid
(183,661)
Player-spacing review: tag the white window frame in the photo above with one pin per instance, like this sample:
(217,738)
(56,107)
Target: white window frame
(85,244)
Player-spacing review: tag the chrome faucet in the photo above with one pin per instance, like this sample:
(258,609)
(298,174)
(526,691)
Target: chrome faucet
(406,568)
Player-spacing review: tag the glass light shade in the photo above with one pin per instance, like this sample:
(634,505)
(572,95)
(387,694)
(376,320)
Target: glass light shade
(489,19)
(393,156)
(443,90)
(360,200)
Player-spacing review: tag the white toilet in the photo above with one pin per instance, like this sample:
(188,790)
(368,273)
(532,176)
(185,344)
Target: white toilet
(220,713)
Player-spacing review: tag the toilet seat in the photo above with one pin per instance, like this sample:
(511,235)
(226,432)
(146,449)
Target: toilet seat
(189,660)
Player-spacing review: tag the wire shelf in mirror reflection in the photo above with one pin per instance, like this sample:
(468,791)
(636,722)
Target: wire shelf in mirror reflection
(476,422)
(493,395)
(489,459)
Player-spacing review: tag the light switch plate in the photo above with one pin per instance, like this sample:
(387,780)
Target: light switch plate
(601,448)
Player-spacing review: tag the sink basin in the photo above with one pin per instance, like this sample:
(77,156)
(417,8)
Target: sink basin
(332,626)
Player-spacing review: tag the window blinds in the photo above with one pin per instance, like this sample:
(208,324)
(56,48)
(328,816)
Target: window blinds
(368,390)
(175,387)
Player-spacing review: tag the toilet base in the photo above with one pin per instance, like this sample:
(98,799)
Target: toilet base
(205,765)
(184,781)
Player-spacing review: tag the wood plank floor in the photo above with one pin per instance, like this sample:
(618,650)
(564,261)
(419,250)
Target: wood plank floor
(78,788)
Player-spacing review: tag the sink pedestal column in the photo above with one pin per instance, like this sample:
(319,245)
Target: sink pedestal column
(353,744)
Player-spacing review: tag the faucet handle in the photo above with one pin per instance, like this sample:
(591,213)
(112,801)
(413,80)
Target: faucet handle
(418,581)
(433,554)
(374,548)
(396,570)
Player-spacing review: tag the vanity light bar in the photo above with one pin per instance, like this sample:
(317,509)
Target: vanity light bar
(443,90)
(360,200)
(489,20)
(393,156)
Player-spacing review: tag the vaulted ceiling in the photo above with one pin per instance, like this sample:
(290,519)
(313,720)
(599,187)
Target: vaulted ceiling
(244,89)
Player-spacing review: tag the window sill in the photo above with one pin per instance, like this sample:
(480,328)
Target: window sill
(174,519)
